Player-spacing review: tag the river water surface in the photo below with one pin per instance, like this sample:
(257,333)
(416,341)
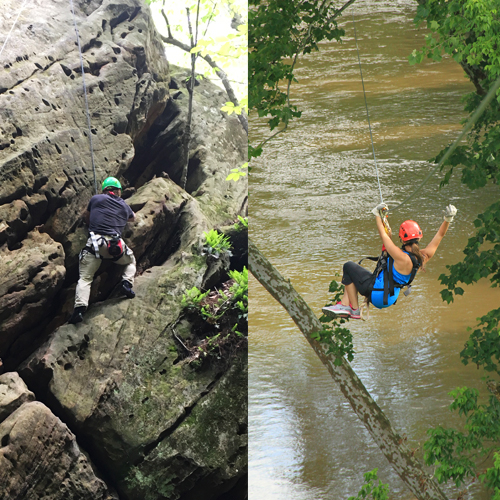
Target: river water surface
(311,193)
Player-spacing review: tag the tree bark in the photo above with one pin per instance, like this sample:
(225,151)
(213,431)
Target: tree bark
(423,486)
(190,87)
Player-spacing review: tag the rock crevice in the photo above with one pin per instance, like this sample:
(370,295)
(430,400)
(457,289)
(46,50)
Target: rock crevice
(114,388)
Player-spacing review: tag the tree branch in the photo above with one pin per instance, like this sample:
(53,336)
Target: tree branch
(325,5)
(390,443)
(220,72)
(494,388)
(166,21)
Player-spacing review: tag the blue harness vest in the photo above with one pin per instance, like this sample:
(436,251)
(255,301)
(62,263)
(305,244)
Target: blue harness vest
(387,282)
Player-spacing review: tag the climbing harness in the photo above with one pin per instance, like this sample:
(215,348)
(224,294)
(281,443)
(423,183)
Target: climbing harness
(85,95)
(385,263)
(12,28)
(115,246)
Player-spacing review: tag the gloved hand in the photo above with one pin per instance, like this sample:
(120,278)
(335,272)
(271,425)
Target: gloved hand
(449,212)
(380,210)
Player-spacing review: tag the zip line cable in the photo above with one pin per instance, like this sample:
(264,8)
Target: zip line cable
(85,95)
(11,29)
(479,111)
(366,106)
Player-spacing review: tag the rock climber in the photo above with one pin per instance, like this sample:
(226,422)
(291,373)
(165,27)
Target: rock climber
(396,267)
(106,216)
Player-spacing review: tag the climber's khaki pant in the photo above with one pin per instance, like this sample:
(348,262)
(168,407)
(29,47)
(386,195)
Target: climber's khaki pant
(89,266)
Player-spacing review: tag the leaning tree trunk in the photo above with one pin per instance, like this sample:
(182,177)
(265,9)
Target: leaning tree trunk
(423,486)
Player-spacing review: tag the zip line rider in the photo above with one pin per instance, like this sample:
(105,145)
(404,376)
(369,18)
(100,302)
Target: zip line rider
(396,267)
(106,216)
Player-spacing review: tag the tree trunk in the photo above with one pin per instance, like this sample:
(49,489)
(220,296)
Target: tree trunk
(423,486)
(220,73)
(187,135)
(190,87)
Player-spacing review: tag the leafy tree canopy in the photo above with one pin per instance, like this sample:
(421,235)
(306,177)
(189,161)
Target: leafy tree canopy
(469,31)
(280,31)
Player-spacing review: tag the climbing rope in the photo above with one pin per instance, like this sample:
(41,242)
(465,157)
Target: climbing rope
(85,95)
(12,29)
(366,106)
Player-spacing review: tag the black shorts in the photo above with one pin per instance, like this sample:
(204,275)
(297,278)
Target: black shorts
(361,277)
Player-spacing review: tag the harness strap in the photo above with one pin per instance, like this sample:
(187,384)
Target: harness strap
(100,241)
(374,259)
(96,245)
(386,263)
(388,281)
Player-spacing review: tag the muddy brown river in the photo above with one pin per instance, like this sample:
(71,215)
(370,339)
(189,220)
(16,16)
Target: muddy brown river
(311,195)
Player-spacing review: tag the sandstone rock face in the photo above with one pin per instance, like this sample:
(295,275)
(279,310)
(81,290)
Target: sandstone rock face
(218,144)
(46,175)
(205,452)
(150,423)
(33,435)
(121,385)
(13,393)
(29,279)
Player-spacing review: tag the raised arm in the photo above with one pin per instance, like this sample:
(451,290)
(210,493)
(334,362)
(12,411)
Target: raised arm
(431,248)
(402,262)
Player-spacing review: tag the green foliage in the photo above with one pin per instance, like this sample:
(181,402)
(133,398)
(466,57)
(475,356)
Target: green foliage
(239,291)
(227,50)
(454,453)
(371,489)
(220,309)
(483,345)
(193,298)
(216,243)
(469,32)
(336,337)
(482,255)
(482,260)
(230,108)
(242,224)
(280,31)
(492,476)
(237,172)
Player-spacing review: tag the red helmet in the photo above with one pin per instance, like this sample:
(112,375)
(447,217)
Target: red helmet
(409,230)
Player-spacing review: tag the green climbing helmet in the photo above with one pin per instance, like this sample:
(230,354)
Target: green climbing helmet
(111,182)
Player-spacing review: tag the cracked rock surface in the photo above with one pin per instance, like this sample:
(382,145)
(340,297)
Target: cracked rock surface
(33,435)
(46,175)
(112,408)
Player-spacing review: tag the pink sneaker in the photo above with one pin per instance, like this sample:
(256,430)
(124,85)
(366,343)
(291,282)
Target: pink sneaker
(337,311)
(341,311)
(355,313)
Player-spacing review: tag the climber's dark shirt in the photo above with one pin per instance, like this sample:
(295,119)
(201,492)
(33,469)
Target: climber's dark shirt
(108,214)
